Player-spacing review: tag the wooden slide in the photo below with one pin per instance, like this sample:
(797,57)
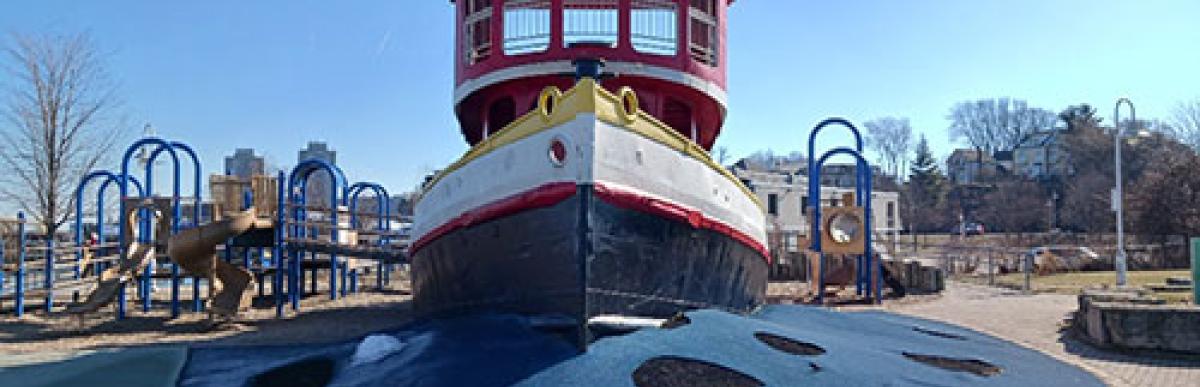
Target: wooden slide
(112,279)
(195,250)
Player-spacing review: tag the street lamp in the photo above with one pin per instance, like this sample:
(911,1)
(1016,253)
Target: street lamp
(1117,196)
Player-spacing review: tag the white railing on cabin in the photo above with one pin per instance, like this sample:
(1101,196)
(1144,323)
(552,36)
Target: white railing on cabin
(654,27)
(590,21)
(526,26)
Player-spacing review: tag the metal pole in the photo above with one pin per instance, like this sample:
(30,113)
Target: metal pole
(277,247)
(1028,271)
(49,256)
(991,267)
(1117,195)
(20,285)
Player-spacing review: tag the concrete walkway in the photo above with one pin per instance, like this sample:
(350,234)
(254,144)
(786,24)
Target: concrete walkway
(1036,320)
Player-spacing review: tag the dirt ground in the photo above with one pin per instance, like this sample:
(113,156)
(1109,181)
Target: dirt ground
(319,320)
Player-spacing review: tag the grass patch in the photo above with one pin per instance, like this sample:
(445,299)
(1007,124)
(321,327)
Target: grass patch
(1073,283)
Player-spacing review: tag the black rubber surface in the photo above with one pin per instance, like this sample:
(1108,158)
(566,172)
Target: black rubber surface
(861,349)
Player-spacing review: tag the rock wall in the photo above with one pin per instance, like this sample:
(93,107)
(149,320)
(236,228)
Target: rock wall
(1132,319)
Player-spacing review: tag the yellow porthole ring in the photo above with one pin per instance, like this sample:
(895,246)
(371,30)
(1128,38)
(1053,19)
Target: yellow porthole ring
(629,104)
(548,101)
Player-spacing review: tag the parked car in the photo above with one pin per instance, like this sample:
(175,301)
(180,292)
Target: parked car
(968,228)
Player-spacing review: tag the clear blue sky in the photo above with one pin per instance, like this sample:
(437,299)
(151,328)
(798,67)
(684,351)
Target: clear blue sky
(374,78)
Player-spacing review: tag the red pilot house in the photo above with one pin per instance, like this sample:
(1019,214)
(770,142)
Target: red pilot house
(671,52)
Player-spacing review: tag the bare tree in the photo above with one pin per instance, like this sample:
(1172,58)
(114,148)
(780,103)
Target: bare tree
(1164,200)
(1186,123)
(721,154)
(1014,206)
(56,101)
(997,124)
(891,138)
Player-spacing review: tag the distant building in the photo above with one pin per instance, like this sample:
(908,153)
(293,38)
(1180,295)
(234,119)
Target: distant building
(784,193)
(843,175)
(1004,161)
(970,166)
(243,163)
(318,183)
(1041,156)
(832,174)
(399,205)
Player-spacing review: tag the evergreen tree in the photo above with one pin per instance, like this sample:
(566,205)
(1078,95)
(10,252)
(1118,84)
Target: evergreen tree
(926,191)
(924,171)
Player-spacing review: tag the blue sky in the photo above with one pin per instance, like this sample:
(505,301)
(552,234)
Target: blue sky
(374,78)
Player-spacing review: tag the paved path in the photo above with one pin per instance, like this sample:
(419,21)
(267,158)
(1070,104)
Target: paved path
(1035,321)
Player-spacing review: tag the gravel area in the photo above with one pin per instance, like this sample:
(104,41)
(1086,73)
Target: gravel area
(1040,321)
(319,320)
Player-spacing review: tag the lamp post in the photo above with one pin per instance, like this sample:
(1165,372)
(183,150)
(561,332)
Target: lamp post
(1117,196)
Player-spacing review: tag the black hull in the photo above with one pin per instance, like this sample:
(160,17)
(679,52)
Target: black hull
(583,257)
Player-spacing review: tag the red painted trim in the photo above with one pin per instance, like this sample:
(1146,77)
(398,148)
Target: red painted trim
(638,201)
(545,195)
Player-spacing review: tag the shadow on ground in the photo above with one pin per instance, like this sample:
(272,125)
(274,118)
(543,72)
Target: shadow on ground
(1075,345)
(329,322)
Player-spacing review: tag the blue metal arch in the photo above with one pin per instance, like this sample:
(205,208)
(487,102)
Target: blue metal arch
(196,174)
(814,191)
(100,193)
(862,188)
(302,171)
(863,193)
(149,189)
(109,177)
(299,176)
(383,208)
(383,205)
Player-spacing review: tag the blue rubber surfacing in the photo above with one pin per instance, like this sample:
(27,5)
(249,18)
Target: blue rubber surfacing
(861,348)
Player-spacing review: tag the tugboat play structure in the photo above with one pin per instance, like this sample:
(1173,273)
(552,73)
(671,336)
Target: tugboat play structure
(598,207)
(593,202)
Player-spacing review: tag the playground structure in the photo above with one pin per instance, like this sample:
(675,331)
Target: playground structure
(178,239)
(841,239)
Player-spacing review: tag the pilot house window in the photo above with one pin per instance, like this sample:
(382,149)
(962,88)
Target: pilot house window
(526,26)
(590,22)
(653,26)
(477,34)
(702,31)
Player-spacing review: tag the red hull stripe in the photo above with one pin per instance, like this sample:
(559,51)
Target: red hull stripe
(637,201)
(553,193)
(543,196)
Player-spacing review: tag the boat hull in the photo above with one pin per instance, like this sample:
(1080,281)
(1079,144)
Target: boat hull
(590,253)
